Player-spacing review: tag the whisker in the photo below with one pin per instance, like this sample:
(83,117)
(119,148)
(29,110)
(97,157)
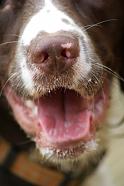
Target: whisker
(96,78)
(108,70)
(13,35)
(8,42)
(5,84)
(99,23)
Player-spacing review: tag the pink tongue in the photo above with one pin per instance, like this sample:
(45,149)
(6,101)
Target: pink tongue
(63,116)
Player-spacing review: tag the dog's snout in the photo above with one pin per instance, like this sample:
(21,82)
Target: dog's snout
(54,52)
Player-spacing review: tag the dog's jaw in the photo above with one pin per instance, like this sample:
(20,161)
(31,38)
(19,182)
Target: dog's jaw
(72,143)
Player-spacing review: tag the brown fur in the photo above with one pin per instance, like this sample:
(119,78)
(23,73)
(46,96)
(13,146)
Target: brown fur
(107,38)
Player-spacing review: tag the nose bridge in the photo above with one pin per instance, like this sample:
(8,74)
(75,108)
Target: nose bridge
(49,19)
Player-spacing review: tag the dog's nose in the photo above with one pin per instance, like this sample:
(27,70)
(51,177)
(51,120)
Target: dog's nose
(54,52)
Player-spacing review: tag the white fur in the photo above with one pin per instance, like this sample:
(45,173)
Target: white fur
(50,20)
(25,73)
(116,111)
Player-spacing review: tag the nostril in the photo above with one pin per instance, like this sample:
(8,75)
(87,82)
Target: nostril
(40,57)
(66,53)
(70,50)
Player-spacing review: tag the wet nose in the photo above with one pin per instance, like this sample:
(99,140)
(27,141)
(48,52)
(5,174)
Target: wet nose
(54,52)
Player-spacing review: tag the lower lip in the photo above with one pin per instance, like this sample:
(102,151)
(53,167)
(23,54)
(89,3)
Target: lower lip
(69,151)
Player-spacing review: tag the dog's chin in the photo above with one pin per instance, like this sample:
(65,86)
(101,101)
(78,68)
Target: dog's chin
(62,123)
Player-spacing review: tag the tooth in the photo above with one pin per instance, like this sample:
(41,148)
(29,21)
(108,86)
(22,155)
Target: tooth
(35,110)
(91,145)
(46,152)
(29,104)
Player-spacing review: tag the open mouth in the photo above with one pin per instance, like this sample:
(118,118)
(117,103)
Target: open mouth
(61,122)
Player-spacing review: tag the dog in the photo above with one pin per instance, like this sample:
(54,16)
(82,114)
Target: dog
(62,75)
